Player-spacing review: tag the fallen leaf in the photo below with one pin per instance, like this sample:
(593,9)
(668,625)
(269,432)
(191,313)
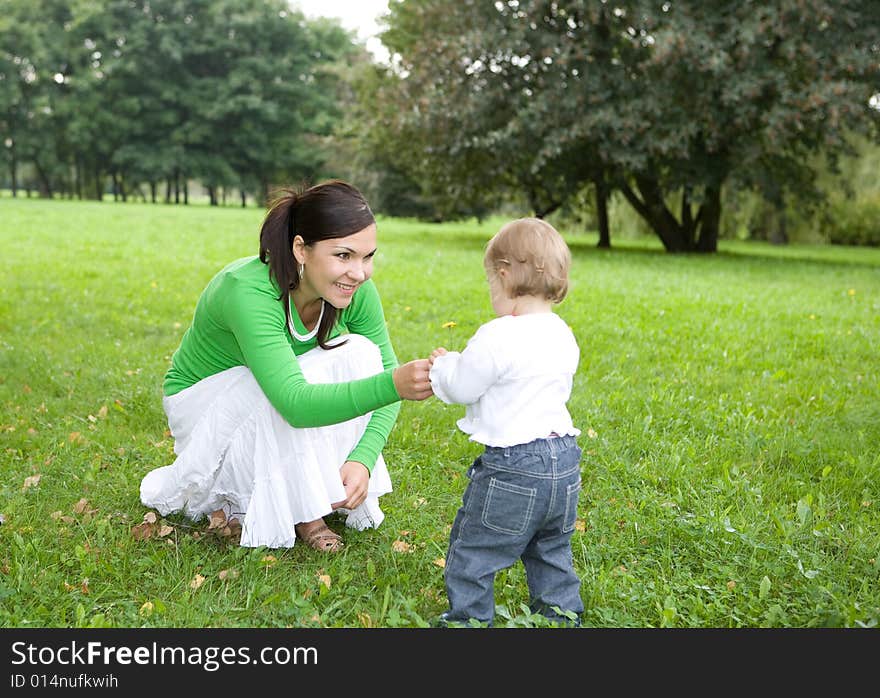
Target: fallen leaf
(142,531)
(73,436)
(216,519)
(150,517)
(401,546)
(55,515)
(27,389)
(365,620)
(592,434)
(31,481)
(165,530)
(92,418)
(269,560)
(440,562)
(324,579)
(580,525)
(103,413)
(196,582)
(81,506)
(146,609)
(731,585)
(84,587)
(228,574)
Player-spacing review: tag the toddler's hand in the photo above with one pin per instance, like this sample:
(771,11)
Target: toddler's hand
(439,351)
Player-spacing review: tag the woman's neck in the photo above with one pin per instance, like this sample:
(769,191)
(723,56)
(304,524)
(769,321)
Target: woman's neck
(308,309)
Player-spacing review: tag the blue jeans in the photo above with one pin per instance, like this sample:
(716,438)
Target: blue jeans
(520,503)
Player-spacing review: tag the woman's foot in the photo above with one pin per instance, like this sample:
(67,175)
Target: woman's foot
(318,535)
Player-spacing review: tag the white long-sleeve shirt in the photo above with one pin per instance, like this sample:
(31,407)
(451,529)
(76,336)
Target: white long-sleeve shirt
(514,376)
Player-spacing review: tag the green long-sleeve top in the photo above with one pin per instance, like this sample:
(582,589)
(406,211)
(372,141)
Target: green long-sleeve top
(239,321)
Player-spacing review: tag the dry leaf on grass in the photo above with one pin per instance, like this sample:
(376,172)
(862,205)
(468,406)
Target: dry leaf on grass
(165,530)
(401,546)
(228,574)
(142,531)
(216,519)
(31,481)
(440,562)
(269,560)
(81,506)
(196,582)
(324,579)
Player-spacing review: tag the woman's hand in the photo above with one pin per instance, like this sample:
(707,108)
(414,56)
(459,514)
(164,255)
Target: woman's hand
(355,480)
(411,380)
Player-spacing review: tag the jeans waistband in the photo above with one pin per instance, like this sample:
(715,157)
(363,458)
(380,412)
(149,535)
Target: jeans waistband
(551,445)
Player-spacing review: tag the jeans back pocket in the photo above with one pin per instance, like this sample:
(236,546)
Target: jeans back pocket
(572,493)
(508,507)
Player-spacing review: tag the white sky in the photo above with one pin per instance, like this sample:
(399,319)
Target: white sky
(359,15)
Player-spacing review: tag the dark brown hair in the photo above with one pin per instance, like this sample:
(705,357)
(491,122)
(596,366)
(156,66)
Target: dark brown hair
(331,209)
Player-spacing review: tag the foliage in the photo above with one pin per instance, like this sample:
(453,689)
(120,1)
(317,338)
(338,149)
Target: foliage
(235,93)
(656,99)
(728,408)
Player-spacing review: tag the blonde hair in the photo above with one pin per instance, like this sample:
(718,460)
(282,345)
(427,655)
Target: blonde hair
(534,256)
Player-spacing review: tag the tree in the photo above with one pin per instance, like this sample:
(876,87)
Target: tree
(662,100)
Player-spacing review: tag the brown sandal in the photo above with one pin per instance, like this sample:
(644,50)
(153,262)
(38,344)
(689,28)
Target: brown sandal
(322,538)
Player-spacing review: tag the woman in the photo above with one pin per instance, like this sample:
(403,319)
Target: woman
(283,391)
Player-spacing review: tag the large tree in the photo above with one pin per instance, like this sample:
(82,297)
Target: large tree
(666,101)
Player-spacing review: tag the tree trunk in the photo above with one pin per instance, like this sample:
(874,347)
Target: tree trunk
(602,213)
(212,195)
(153,190)
(115,179)
(13,172)
(668,231)
(45,184)
(176,186)
(710,218)
(77,177)
(185,191)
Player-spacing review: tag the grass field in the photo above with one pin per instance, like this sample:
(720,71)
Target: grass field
(729,404)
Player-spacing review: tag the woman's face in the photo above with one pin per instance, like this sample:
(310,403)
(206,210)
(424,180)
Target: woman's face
(335,268)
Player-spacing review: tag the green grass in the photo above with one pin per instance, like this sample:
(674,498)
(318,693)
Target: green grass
(730,409)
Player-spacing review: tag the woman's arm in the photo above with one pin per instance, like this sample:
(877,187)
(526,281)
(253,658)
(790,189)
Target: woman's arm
(258,323)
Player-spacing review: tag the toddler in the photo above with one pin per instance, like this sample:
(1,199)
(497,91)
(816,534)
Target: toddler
(515,377)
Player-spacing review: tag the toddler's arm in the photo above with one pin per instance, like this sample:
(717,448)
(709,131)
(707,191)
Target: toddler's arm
(462,378)
(439,351)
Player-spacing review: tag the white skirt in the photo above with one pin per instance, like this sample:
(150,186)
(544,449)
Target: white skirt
(237,453)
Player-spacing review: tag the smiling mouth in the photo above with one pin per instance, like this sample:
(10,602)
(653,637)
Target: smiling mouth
(346,287)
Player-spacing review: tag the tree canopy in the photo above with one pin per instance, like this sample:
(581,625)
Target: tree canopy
(234,93)
(666,102)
